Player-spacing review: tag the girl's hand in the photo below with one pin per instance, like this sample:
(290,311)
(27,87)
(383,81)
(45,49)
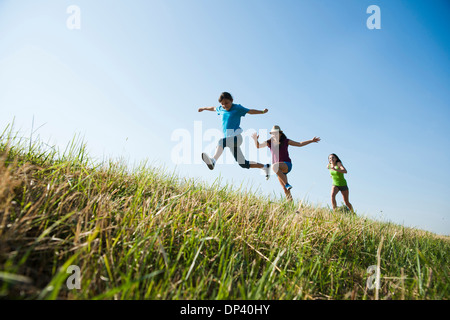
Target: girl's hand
(315,139)
(265,110)
(200,109)
(255,136)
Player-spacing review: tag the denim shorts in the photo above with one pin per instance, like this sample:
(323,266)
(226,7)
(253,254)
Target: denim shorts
(289,165)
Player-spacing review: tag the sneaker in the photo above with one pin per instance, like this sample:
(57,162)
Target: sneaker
(210,162)
(288,186)
(266,170)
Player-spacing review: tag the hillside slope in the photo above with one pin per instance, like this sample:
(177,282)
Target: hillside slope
(144,234)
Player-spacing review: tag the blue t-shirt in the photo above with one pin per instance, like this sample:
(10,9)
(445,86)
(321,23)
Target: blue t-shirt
(231,120)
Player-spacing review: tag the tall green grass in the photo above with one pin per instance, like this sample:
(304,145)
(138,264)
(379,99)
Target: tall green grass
(143,233)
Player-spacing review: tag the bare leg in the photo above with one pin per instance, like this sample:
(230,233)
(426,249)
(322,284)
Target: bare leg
(334,192)
(286,191)
(345,195)
(256,165)
(280,168)
(219,151)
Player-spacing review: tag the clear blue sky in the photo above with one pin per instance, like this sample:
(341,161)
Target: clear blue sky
(137,71)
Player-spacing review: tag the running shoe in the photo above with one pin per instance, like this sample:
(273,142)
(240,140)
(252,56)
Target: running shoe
(288,186)
(266,170)
(209,161)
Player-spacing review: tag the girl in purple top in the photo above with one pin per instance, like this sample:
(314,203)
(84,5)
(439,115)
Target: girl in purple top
(281,163)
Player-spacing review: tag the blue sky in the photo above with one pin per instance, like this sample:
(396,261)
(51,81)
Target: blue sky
(137,71)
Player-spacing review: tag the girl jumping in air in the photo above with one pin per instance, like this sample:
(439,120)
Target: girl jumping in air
(231,119)
(337,171)
(281,162)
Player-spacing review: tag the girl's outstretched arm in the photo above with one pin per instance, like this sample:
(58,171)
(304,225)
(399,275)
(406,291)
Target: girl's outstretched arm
(254,111)
(304,143)
(258,145)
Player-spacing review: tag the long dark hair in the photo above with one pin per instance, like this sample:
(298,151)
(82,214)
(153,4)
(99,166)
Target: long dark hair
(337,158)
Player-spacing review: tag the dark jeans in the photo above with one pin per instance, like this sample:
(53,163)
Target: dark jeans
(234,144)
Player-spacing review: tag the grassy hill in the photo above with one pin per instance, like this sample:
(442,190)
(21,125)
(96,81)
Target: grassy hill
(140,233)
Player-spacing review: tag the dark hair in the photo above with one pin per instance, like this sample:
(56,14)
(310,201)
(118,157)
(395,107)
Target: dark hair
(225,95)
(337,158)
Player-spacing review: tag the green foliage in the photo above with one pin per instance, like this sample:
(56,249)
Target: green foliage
(142,233)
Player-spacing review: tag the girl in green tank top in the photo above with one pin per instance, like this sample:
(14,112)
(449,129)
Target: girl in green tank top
(338,177)
(337,171)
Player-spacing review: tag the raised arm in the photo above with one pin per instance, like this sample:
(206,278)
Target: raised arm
(207,109)
(304,143)
(258,145)
(254,111)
